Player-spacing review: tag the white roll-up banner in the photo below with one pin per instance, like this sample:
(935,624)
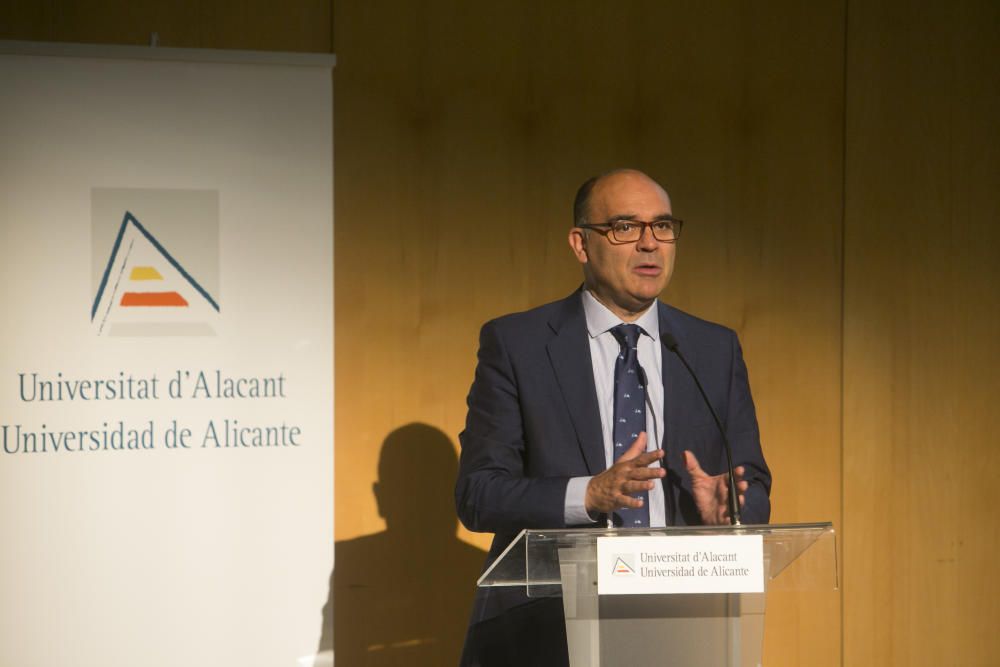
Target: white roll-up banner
(166,356)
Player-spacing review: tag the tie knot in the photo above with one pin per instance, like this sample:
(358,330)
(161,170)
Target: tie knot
(627,335)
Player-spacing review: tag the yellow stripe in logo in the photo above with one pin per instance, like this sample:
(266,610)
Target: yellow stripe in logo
(145,273)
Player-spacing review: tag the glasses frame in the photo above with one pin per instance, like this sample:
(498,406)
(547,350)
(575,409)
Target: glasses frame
(607,229)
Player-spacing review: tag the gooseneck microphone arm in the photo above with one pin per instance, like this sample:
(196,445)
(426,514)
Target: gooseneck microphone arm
(734,500)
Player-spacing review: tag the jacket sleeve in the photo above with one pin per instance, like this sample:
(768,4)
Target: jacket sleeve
(493,492)
(744,437)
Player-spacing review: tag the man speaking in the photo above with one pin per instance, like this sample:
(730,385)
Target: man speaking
(582,412)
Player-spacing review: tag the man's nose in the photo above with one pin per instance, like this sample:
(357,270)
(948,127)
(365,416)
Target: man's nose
(646,239)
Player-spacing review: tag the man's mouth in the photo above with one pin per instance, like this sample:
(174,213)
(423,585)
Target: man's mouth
(648,269)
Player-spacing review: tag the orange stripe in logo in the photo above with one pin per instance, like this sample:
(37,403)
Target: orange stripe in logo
(131,299)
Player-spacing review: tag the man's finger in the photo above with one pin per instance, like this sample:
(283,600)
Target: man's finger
(637,447)
(623,502)
(640,473)
(691,463)
(638,486)
(646,458)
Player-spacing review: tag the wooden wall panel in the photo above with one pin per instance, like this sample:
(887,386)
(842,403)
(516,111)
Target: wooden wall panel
(922,321)
(462,133)
(262,25)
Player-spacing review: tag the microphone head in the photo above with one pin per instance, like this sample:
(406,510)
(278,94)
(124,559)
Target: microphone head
(668,339)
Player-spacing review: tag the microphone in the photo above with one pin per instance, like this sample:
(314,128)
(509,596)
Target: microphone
(734,500)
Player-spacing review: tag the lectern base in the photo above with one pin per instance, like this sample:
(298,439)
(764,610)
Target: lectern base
(718,630)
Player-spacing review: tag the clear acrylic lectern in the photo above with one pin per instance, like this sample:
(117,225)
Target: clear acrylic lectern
(720,629)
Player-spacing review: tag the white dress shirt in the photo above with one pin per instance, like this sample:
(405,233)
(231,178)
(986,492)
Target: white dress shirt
(604,349)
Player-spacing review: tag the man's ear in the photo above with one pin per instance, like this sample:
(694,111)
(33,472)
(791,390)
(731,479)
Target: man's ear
(578,243)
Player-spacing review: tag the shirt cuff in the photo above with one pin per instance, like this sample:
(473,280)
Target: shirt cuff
(575,511)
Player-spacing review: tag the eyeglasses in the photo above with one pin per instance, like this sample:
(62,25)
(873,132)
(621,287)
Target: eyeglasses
(625,230)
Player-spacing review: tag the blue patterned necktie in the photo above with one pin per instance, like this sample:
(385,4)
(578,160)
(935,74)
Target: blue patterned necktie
(629,414)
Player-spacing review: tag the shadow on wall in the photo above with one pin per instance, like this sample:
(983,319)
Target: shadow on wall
(403,596)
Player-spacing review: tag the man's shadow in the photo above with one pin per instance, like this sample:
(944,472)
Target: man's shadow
(403,596)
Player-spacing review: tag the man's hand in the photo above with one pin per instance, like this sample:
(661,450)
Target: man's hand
(711,492)
(611,490)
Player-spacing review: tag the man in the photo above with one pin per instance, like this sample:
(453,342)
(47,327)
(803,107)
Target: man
(549,442)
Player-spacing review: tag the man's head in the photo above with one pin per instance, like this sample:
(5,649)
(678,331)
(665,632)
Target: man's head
(625,277)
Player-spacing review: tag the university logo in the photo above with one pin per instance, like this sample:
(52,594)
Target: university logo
(145,289)
(624,565)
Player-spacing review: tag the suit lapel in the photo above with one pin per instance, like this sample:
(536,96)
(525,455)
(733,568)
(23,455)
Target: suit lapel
(569,353)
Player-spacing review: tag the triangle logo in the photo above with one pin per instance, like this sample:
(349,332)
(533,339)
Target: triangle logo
(146,291)
(622,567)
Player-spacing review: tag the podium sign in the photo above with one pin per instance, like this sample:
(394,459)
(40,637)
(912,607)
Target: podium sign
(647,565)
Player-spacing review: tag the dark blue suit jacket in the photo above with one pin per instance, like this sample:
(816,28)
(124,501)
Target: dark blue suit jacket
(534,423)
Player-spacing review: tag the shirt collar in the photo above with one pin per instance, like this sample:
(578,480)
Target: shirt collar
(601,320)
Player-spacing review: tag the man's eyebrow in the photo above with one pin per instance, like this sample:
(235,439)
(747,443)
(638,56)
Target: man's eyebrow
(632,217)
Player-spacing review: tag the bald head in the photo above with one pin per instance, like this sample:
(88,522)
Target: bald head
(584,195)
